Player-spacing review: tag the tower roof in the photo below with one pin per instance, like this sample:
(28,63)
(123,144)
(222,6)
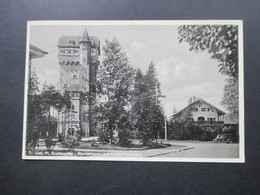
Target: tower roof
(85,36)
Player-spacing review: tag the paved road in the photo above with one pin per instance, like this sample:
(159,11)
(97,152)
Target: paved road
(204,150)
(177,150)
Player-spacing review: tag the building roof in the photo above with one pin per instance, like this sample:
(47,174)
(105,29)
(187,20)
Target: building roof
(85,36)
(36,52)
(220,112)
(73,41)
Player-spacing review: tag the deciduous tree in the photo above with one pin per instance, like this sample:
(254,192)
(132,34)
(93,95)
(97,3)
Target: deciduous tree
(221,42)
(230,98)
(114,80)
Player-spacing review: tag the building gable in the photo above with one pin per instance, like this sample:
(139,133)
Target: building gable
(201,110)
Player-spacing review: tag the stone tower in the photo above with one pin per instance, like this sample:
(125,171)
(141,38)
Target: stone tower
(78,59)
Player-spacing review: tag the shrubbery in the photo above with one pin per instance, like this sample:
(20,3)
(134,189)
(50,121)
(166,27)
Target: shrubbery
(193,131)
(233,130)
(71,142)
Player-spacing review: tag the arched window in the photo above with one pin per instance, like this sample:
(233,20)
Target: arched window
(201,119)
(71,131)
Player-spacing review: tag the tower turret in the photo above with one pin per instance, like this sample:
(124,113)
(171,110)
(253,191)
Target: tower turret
(85,37)
(85,53)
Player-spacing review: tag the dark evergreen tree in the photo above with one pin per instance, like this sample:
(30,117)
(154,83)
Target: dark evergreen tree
(146,113)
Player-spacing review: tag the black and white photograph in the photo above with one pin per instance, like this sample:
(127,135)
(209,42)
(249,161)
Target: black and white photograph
(162,90)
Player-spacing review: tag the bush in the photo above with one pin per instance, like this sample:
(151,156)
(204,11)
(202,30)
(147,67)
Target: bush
(79,135)
(233,130)
(71,142)
(124,136)
(103,137)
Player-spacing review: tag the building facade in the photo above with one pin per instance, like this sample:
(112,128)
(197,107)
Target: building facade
(78,60)
(202,112)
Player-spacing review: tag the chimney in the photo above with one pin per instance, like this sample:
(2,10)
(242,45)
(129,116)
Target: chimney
(190,100)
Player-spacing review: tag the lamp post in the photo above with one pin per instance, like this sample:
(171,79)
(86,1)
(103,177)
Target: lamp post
(165,125)
(157,97)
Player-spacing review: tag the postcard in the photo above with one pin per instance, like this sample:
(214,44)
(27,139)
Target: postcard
(156,91)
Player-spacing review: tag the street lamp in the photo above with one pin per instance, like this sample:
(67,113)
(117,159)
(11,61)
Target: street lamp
(157,102)
(165,124)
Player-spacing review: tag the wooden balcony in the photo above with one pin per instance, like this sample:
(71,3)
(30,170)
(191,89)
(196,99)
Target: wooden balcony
(209,123)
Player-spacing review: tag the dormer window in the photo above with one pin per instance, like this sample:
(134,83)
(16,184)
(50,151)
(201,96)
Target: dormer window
(71,42)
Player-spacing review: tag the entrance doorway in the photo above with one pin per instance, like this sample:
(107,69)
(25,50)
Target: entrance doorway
(201,119)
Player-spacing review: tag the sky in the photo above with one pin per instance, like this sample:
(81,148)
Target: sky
(182,73)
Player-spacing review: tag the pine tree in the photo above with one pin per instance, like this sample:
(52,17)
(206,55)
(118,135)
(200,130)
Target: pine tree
(146,112)
(152,83)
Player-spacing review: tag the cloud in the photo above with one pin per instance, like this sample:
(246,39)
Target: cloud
(51,72)
(51,76)
(183,78)
(138,46)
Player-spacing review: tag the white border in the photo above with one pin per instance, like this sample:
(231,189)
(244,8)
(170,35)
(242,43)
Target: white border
(241,158)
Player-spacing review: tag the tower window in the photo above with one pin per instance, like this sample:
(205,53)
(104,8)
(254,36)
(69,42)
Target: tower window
(66,85)
(82,77)
(75,76)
